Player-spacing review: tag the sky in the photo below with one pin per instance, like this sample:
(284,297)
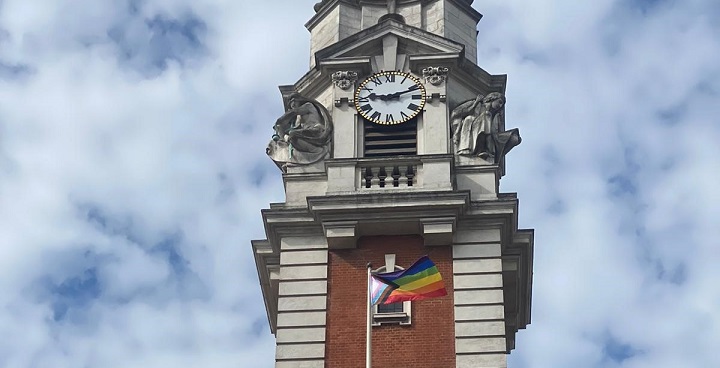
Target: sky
(133,172)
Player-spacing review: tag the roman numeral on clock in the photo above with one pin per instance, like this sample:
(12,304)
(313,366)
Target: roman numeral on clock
(417,97)
(375,116)
(376,80)
(390,78)
(366,108)
(364,99)
(413,107)
(389,118)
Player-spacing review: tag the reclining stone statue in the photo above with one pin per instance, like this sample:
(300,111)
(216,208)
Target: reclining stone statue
(477,128)
(303,134)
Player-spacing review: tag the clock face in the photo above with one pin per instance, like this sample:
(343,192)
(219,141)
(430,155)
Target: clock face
(390,97)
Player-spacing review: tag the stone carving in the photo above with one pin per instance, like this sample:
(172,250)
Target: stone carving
(435,75)
(344,80)
(303,134)
(477,128)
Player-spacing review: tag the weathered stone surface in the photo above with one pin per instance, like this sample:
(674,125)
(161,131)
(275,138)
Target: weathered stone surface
(477,281)
(479,313)
(302,303)
(480,345)
(480,329)
(296,335)
(476,250)
(300,351)
(475,297)
(302,243)
(301,364)
(303,272)
(303,257)
(288,288)
(470,236)
(298,319)
(476,265)
(482,361)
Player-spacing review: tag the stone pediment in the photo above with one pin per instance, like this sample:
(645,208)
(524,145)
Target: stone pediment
(369,42)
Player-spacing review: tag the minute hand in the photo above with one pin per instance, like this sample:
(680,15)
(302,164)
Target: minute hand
(397,94)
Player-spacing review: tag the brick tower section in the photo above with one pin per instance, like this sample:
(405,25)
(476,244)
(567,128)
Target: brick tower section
(428,342)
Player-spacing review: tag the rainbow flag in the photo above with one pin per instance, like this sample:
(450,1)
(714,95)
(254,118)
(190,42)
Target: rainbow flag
(422,280)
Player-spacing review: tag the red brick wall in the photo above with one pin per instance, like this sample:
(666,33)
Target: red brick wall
(428,342)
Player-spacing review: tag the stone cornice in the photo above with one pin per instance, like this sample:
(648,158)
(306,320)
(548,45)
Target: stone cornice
(266,259)
(383,206)
(379,30)
(327,5)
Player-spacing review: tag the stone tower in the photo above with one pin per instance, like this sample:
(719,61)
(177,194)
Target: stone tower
(392,147)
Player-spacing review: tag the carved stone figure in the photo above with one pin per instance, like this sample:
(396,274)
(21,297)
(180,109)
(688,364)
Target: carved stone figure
(303,134)
(477,128)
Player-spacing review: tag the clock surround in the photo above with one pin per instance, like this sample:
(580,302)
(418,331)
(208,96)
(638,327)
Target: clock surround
(390,97)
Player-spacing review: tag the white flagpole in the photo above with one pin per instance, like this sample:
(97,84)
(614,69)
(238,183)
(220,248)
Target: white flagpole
(368,336)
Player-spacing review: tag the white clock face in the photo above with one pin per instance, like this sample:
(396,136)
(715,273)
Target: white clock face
(390,97)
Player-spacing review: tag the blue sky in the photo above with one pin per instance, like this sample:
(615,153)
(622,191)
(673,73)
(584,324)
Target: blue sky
(132,174)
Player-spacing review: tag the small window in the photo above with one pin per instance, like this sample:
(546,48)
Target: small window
(390,308)
(394,313)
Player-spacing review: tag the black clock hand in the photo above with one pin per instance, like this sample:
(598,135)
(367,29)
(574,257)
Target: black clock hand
(397,94)
(374,97)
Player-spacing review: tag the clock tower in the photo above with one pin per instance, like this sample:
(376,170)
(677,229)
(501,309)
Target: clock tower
(392,147)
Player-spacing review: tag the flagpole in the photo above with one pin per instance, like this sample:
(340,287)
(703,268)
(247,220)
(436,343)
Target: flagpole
(368,335)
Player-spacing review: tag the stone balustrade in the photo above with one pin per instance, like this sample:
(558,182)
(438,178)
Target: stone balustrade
(387,175)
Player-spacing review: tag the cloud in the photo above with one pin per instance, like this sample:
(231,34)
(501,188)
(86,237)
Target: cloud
(617,103)
(132,174)
(125,153)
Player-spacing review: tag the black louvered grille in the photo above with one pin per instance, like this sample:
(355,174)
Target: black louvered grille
(390,140)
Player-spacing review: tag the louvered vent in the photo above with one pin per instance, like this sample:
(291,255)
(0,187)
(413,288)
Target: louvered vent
(390,140)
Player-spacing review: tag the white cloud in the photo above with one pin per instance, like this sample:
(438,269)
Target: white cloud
(105,155)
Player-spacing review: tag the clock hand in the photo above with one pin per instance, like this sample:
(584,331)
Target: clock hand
(373,97)
(397,94)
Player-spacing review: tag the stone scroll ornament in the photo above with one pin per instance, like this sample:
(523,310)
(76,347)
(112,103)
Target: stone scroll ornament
(303,134)
(478,128)
(435,75)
